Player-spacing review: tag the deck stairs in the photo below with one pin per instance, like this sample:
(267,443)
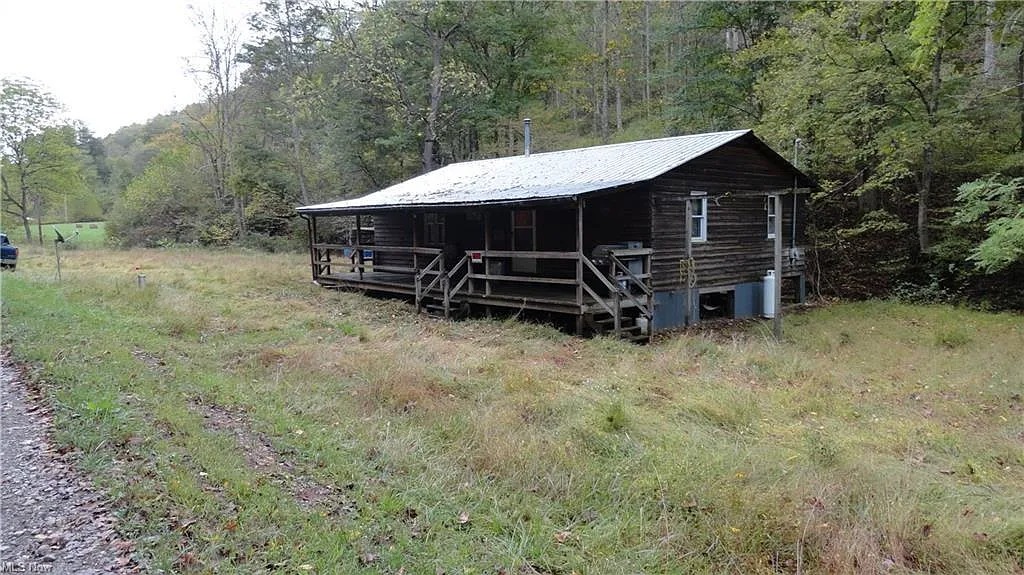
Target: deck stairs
(630,327)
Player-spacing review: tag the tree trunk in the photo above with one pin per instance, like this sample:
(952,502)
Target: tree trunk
(240,215)
(23,186)
(38,203)
(618,106)
(604,71)
(988,67)
(296,152)
(1020,93)
(647,58)
(616,65)
(430,139)
(927,169)
(928,157)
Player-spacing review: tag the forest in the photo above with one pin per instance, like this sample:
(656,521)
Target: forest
(909,115)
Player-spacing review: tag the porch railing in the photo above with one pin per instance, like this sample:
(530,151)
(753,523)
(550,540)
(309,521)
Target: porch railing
(609,290)
(618,281)
(328,256)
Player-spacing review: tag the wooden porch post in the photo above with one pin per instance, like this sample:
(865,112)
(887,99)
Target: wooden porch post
(579,266)
(777,296)
(415,265)
(415,242)
(311,228)
(487,248)
(358,247)
(688,312)
(445,288)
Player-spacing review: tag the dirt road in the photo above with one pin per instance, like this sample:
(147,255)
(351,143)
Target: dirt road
(51,519)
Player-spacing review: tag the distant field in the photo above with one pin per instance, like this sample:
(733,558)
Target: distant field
(90,234)
(247,421)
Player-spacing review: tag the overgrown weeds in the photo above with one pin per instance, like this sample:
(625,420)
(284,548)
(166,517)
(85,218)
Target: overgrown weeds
(880,438)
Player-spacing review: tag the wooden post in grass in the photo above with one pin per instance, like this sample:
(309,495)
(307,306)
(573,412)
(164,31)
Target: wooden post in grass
(56,250)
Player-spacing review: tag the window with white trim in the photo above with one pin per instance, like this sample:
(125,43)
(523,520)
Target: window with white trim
(433,229)
(770,210)
(699,217)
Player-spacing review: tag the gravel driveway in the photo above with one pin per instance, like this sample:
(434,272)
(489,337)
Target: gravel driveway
(51,520)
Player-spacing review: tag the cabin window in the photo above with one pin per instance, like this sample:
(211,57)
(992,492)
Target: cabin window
(524,230)
(770,210)
(699,216)
(433,229)
(524,239)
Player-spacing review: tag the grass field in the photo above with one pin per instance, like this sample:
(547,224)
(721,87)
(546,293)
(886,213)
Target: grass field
(247,421)
(78,235)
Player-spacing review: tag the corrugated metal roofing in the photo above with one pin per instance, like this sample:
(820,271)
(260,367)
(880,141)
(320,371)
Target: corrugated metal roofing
(543,176)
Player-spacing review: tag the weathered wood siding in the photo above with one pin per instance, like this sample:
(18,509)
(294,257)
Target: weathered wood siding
(393,229)
(735,178)
(463,231)
(618,217)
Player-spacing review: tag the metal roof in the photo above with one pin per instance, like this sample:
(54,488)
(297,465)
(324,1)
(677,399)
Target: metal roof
(537,177)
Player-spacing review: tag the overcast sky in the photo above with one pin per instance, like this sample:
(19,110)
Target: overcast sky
(110,62)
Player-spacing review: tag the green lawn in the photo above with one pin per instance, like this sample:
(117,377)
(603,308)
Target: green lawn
(246,421)
(90,235)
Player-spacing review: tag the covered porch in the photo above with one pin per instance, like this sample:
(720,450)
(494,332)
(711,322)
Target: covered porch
(532,257)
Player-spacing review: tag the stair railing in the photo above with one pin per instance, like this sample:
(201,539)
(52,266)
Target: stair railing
(436,269)
(631,281)
(615,309)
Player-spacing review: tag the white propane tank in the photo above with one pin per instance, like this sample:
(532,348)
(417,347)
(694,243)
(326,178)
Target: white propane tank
(644,324)
(768,298)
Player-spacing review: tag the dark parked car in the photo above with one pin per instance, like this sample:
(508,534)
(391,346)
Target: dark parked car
(8,253)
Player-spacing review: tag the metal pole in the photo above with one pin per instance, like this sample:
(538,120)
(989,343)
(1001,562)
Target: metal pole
(527,140)
(777,320)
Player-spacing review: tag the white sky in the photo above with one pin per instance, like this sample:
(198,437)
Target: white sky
(110,62)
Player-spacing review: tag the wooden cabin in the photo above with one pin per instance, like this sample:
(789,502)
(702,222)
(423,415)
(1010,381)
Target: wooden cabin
(632,238)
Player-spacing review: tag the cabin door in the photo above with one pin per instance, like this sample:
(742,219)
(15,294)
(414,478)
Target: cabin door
(524,239)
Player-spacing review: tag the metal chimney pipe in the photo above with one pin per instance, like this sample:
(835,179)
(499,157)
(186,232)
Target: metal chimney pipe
(526,136)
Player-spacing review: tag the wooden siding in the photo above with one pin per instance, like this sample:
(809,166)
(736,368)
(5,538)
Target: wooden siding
(393,229)
(735,178)
(618,217)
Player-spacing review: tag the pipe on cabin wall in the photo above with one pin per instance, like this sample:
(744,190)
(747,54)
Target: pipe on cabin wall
(526,136)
